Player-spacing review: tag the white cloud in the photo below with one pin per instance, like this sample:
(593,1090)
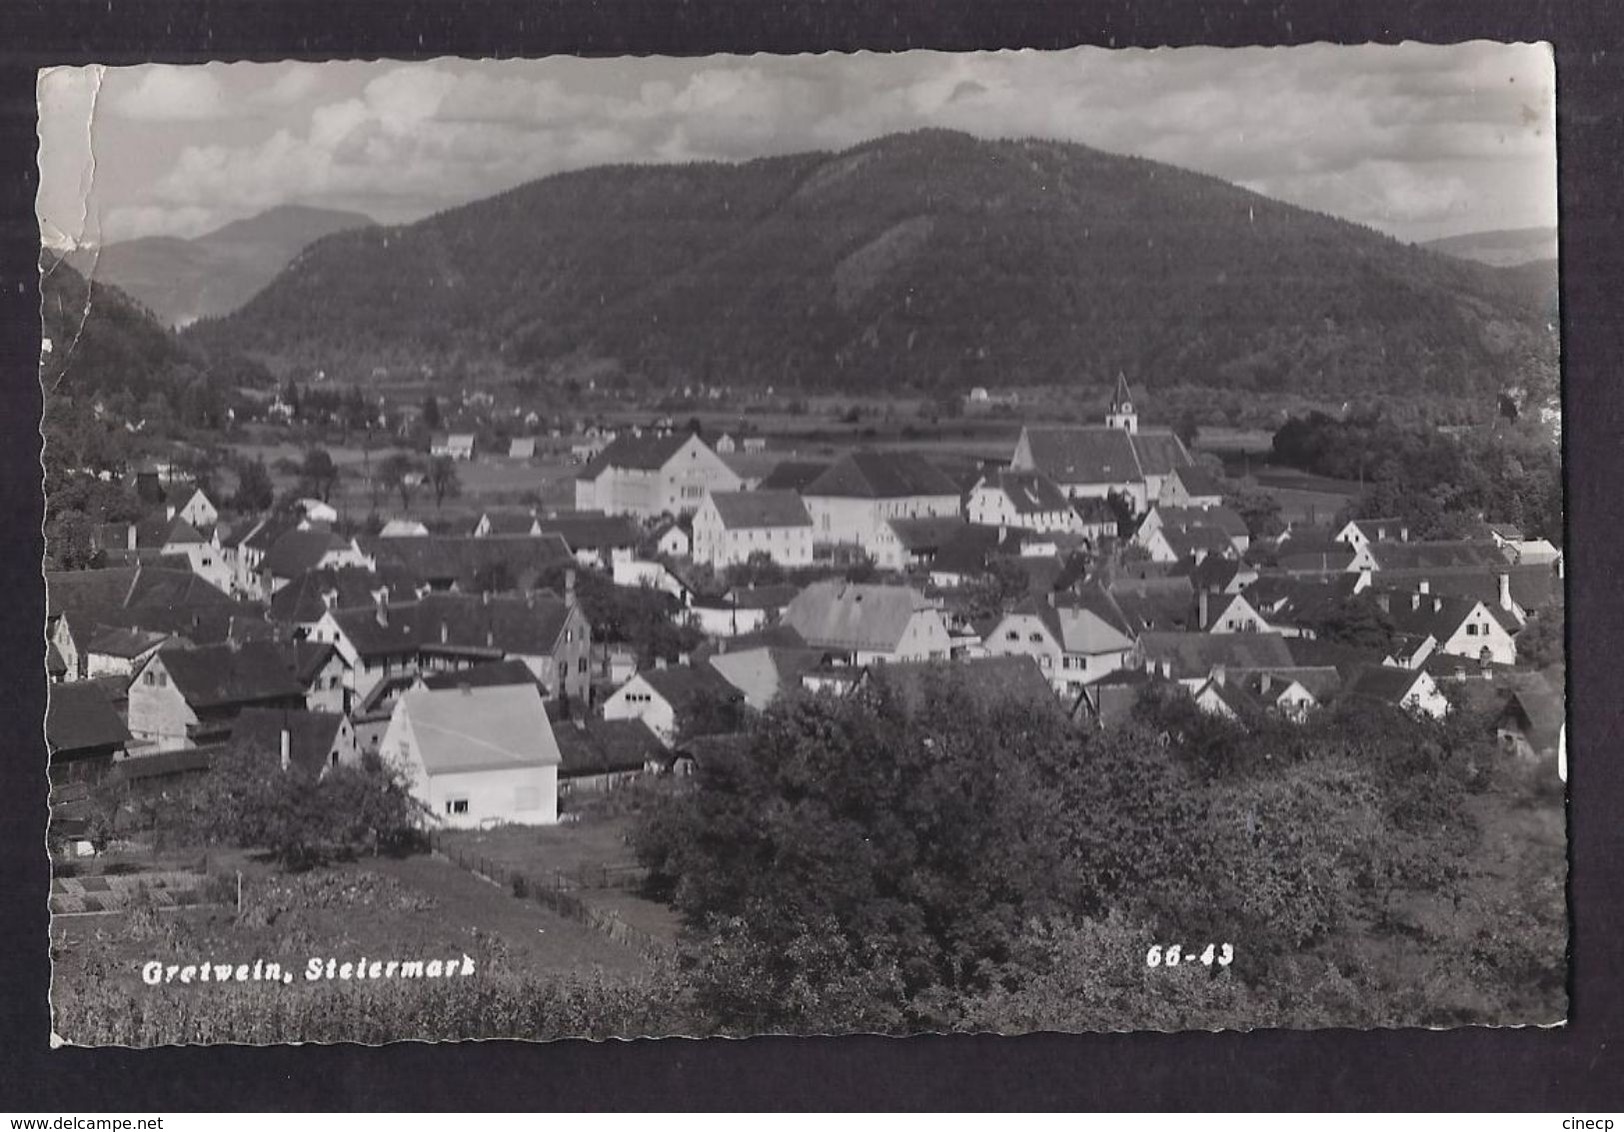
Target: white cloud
(1402,137)
(172,94)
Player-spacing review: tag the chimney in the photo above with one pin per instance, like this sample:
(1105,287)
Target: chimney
(1415,601)
(1437,603)
(484,597)
(659,664)
(1425,586)
(1202,609)
(569,586)
(1404,534)
(1384,602)
(169,513)
(383,611)
(1219,675)
(1504,580)
(443,632)
(685,659)
(490,638)
(1267,681)
(287,748)
(129,536)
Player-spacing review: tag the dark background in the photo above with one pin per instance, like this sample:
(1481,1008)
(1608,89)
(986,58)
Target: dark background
(1577,1068)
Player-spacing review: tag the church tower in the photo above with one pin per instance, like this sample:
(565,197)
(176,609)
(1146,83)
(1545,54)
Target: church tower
(1122,414)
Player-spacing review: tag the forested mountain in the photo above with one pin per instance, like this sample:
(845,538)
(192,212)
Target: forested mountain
(182,280)
(931,260)
(1503,247)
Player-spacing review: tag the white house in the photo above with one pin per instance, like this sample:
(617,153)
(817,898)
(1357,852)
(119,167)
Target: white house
(1027,501)
(198,510)
(1413,689)
(672,541)
(731,526)
(457,445)
(652,475)
(660,696)
(477,756)
(1457,626)
(853,501)
(1073,645)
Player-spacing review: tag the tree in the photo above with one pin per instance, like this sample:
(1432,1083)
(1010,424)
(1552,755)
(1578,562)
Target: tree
(398,472)
(443,479)
(301,818)
(70,541)
(255,491)
(431,413)
(1260,510)
(318,474)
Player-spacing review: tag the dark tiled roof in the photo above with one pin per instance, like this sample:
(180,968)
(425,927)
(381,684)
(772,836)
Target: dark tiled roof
(1159,451)
(509,522)
(593,530)
(1383,682)
(1198,481)
(1086,455)
(125,643)
(647,453)
(299,551)
(1031,493)
(459,561)
(1307,652)
(507,624)
(605,746)
(792,475)
(1197,518)
(146,597)
(80,717)
(1436,555)
(154,533)
(302,600)
(492,674)
(222,675)
(882,475)
(747,510)
(306,659)
(930,534)
(1193,655)
(311,735)
(681,684)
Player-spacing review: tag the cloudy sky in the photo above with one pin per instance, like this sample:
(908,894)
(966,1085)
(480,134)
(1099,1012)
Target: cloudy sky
(1419,141)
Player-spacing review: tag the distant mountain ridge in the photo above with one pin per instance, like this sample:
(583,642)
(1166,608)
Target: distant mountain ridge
(1502,247)
(182,280)
(929,261)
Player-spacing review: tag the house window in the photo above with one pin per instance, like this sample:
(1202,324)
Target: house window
(163,680)
(1471,630)
(149,679)
(1036,638)
(582,665)
(1013,635)
(456,805)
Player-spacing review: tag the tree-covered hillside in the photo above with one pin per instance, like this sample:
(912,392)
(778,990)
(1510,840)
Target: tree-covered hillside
(929,260)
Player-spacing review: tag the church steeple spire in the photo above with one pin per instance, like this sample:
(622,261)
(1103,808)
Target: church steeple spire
(1122,414)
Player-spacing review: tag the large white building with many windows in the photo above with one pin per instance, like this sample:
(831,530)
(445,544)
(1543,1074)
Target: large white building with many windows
(653,475)
(731,526)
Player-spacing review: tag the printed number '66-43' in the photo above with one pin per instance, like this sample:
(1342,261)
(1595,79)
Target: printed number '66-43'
(1174,954)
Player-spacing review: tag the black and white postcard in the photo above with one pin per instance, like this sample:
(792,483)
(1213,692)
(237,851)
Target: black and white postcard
(874,543)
